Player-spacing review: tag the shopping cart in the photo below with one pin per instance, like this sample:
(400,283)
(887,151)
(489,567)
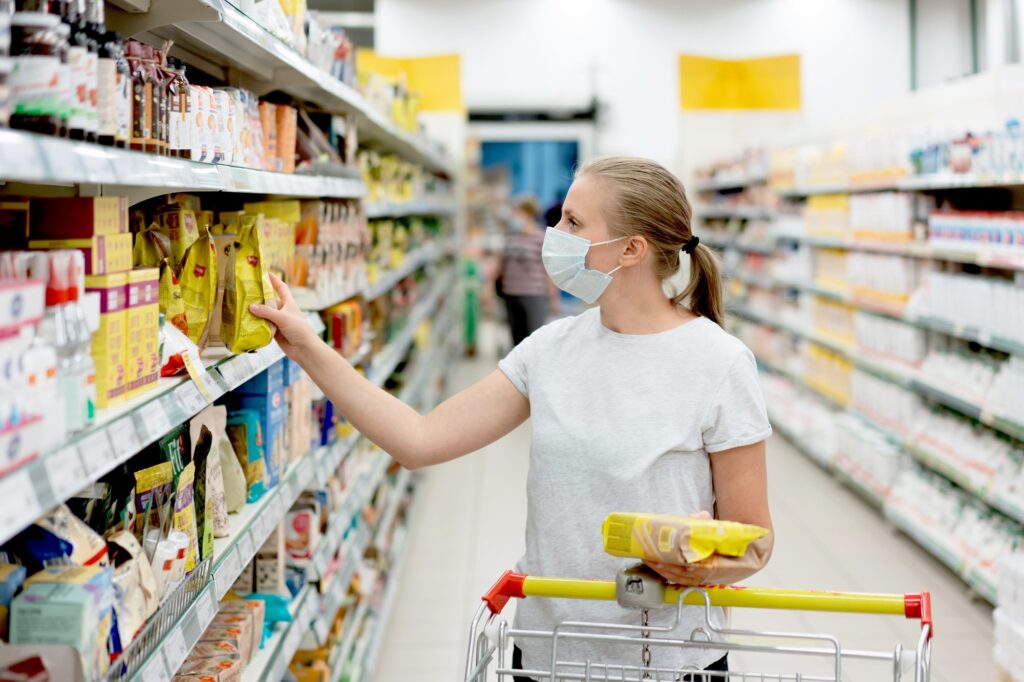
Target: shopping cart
(641,589)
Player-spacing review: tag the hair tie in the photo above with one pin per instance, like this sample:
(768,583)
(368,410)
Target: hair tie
(690,245)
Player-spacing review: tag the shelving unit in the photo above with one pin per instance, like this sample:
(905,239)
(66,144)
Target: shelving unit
(740,245)
(219,39)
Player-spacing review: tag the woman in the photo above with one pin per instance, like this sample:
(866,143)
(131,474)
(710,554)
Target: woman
(640,404)
(525,286)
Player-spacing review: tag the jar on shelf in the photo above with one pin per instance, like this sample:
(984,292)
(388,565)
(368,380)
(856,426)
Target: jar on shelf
(34,80)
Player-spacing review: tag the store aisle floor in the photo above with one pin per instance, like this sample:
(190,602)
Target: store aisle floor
(470,515)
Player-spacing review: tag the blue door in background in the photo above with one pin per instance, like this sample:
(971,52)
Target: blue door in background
(542,168)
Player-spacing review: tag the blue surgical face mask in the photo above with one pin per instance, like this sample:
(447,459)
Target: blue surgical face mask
(565,259)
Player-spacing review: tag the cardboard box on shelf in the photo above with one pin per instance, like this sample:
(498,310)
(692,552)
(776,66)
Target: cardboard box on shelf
(142,354)
(109,342)
(78,217)
(104,253)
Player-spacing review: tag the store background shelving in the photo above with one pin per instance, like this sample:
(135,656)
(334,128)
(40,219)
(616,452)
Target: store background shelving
(772,306)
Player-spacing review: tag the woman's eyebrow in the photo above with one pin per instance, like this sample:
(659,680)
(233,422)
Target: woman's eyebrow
(571,213)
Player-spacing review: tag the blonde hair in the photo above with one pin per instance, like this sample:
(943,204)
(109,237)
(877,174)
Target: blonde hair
(649,201)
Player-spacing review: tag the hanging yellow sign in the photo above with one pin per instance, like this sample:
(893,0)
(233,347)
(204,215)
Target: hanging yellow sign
(436,79)
(739,84)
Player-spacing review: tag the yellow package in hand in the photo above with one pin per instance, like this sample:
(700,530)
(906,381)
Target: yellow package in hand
(675,539)
(245,283)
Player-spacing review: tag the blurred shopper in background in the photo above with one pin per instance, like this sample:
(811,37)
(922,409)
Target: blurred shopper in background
(530,296)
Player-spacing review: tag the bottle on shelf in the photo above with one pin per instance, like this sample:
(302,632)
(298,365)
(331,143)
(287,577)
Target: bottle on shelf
(122,89)
(85,365)
(57,331)
(35,93)
(178,129)
(142,96)
(78,61)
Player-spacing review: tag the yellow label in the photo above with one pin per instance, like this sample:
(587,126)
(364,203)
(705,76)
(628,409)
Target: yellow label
(739,84)
(436,80)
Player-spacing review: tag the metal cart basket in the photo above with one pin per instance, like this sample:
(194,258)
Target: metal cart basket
(490,633)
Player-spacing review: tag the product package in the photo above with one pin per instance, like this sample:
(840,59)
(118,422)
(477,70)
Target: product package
(178,222)
(203,493)
(104,254)
(264,394)
(243,428)
(151,247)
(185,514)
(246,282)
(232,634)
(61,536)
(269,562)
(302,531)
(109,342)
(199,286)
(724,550)
(214,420)
(35,611)
(223,245)
(142,357)
(78,217)
(11,579)
(172,301)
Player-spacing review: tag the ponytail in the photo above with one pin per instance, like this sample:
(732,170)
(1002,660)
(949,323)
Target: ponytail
(704,291)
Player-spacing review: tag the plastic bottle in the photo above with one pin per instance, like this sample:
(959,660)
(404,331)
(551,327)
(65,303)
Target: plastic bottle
(180,140)
(56,330)
(85,365)
(36,47)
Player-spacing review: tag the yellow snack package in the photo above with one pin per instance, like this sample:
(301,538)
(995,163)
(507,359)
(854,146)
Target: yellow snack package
(180,226)
(199,286)
(245,283)
(151,246)
(172,304)
(676,539)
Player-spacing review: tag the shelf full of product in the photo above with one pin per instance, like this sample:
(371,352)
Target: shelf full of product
(887,315)
(176,491)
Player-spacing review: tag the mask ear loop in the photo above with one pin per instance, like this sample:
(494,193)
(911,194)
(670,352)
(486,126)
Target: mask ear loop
(611,241)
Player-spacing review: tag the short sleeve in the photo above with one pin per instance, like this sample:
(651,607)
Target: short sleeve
(515,365)
(737,414)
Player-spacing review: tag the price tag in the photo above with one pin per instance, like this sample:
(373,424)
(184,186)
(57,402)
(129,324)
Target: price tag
(154,420)
(175,648)
(206,608)
(97,454)
(66,473)
(190,398)
(125,438)
(156,671)
(282,506)
(200,377)
(20,503)
(228,572)
(247,546)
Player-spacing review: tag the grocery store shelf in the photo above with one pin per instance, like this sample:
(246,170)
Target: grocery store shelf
(742,212)
(413,208)
(43,160)
(376,637)
(956,330)
(270,663)
(728,242)
(425,255)
(738,182)
(901,376)
(984,255)
(387,517)
(936,181)
(383,366)
(215,36)
(335,592)
(119,433)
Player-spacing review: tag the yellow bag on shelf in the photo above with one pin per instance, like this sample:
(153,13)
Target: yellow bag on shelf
(246,282)
(199,286)
(676,539)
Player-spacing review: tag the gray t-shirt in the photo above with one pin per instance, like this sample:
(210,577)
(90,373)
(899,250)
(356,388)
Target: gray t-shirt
(622,423)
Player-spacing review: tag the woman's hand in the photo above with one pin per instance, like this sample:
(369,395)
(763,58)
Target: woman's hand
(294,334)
(687,575)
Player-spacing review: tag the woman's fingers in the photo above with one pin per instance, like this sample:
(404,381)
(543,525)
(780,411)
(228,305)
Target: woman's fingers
(282,290)
(267,312)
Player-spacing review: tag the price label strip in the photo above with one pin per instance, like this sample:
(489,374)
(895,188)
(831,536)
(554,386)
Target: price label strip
(156,671)
(21,504)
(228,572)
(175,648)
(97,454)
(125,438)
(206,609)
(66,472)
(153,420)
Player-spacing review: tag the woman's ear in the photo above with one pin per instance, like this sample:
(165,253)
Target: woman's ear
(636,249)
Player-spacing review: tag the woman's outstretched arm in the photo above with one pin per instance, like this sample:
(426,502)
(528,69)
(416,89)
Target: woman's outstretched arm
(466,422)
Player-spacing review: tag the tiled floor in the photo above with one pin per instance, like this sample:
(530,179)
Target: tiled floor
(470,516)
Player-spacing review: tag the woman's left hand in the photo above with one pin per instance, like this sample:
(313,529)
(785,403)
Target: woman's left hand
(687,575)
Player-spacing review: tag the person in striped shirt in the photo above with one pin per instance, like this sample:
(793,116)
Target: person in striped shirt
(530,296)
